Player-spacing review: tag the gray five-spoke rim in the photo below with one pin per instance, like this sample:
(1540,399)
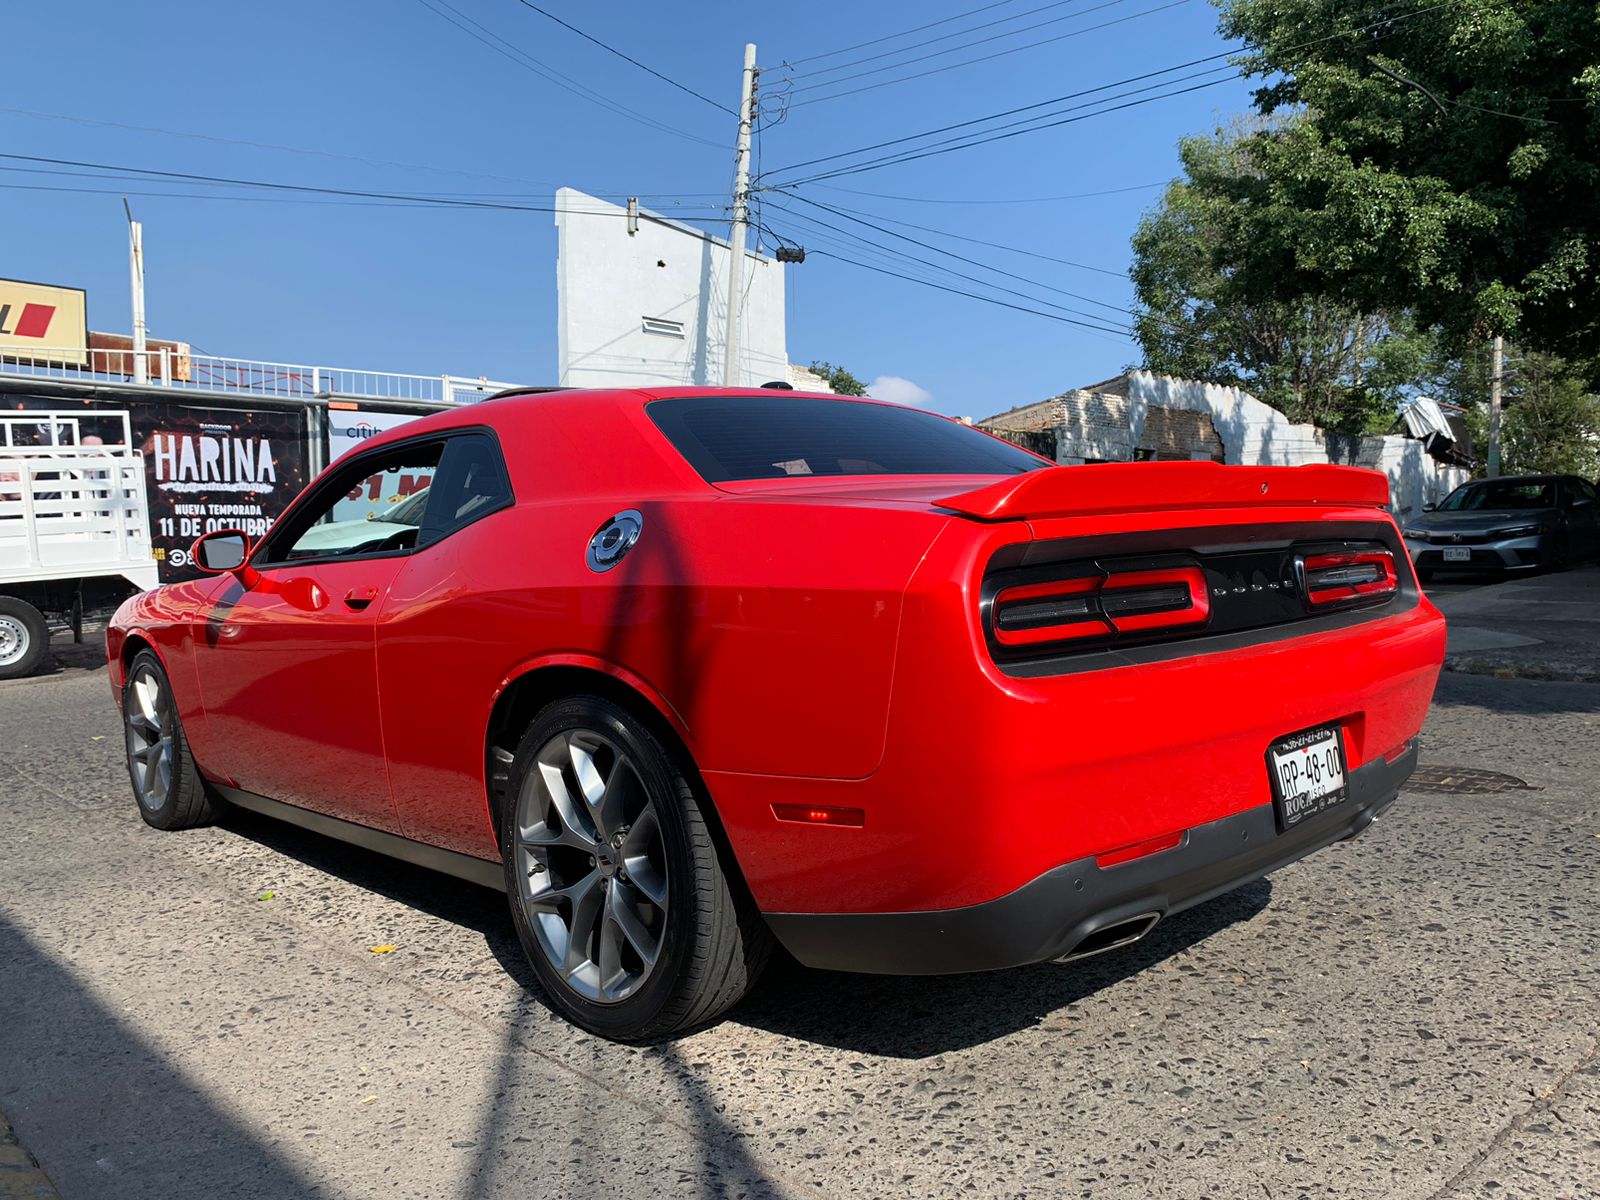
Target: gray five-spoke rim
(14,640)
(591,865)
(149,720)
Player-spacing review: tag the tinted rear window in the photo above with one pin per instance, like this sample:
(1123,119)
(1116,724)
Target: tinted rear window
(755,437)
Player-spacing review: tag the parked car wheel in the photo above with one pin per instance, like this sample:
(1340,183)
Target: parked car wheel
(1560,553)
(633,920)
(166,783)
(24,638)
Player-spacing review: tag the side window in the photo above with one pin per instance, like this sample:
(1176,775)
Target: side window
(1581,489)
(372,506)
(471,482)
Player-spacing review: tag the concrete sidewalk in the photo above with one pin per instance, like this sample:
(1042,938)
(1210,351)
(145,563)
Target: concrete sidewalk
(1540,627)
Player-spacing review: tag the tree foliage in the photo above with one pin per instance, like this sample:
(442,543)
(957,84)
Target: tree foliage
(1550,422)
(1198,259)
(840,381)
(1446,162)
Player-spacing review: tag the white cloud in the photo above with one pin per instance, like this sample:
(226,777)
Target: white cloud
(899,391)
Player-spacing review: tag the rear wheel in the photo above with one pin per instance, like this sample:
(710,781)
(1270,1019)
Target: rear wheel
(634,922)
(24,638)
(166,783)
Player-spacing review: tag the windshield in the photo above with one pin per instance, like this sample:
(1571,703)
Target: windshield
(729,438)
(1501,494)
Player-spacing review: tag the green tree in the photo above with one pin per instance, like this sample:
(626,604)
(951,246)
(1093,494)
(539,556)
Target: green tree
(840,381)
(1550,421)
(1198,259)
(1446,162)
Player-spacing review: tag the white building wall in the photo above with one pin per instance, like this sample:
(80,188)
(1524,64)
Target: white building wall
(610,283)
(1256,434)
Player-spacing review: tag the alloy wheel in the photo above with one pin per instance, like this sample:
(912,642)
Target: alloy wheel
(591,865)
(149,722)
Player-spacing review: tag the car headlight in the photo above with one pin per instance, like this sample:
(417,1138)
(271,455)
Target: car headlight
(1419,534)
(1518,531)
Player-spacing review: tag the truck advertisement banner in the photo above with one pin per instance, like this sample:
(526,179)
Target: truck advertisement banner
(216,468)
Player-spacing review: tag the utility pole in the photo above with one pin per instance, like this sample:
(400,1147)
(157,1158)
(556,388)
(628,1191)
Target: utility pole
(141,373)
(741,214)
(1496,363)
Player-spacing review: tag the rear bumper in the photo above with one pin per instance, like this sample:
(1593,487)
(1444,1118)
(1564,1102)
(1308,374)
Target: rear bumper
(1051,916)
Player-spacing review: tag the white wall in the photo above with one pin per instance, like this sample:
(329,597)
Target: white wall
(608,282)
(1259,435)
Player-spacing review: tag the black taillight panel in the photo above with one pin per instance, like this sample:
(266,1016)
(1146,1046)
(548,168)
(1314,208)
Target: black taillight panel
(1046,603)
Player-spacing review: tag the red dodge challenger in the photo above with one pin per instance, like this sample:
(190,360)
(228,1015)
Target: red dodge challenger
(685,671)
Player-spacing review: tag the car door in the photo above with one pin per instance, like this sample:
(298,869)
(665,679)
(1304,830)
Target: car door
(1583,514)
(438,671)
(286,662)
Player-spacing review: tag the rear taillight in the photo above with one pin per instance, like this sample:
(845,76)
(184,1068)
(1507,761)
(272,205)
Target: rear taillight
(1100,606)
(1349,577)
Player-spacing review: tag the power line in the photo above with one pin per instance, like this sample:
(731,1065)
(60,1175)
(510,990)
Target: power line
(997,54)
(889,37)
(1050,258)
(1195,62)
(859,220)
(945,37)
(329,154)
(313,189)
(1102,323)
(1009,112)
(980,140)
(1137,187)
(627,59)
(420,201)
(973,295)
(527,62)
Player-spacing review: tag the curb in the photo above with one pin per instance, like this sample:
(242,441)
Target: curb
(20,1176)
(1461,664)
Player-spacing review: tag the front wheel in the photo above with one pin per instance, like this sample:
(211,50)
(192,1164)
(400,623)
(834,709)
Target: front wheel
(166,783)
(633,920)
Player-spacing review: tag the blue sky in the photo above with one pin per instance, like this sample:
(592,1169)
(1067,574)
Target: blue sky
(392,97)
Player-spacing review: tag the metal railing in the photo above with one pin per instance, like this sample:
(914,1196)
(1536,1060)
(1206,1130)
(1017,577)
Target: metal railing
(186,371)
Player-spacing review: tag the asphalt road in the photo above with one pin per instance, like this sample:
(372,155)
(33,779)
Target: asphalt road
(1412,1014)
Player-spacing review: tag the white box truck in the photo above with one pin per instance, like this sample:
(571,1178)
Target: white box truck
(74,526)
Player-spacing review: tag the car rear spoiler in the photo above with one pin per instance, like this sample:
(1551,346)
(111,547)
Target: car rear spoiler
(1156,486)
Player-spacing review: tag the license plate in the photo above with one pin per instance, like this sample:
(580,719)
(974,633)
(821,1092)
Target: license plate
(1308,775)
(1457,554)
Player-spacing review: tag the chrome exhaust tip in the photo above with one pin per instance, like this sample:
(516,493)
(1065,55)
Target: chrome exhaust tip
(1113,936)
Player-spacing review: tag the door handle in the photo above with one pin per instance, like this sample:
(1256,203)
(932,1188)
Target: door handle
(357,599)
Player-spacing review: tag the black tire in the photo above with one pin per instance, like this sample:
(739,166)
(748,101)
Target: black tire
(710,942)
(24,638)
(1560,555)
(172,796)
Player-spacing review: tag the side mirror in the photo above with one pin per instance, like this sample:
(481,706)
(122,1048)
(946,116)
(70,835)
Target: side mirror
(223,552)
(1429,506)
